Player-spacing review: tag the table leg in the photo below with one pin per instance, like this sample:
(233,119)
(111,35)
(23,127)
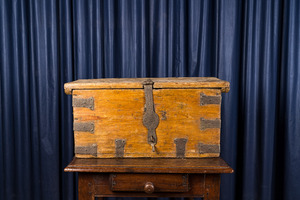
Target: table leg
(85,187)
(212,187)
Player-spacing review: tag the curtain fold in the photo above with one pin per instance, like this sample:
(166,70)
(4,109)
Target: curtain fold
(255,45)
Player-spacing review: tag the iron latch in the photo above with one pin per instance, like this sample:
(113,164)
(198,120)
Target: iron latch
(150,119)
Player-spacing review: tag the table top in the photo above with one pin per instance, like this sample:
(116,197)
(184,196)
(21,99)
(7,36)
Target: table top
(149,165)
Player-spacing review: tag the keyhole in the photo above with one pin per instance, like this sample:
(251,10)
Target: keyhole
(152,139)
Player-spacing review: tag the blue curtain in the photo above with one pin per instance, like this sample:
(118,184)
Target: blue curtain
(255,45)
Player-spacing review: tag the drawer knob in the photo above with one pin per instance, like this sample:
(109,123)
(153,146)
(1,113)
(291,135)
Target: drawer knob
(149,188)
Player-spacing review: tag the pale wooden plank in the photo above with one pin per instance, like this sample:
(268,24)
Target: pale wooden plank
(137,83)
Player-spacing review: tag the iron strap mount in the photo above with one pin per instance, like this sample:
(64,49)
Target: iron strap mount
(150,118)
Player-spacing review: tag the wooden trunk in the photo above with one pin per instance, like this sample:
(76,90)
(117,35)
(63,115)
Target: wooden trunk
(142,117)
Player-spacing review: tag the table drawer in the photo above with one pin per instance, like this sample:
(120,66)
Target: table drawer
(149,183)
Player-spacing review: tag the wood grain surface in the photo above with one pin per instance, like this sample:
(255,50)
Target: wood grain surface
(118,114)
(150,165)
(157,182)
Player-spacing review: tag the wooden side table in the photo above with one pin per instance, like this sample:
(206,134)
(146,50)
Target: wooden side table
(156,177)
